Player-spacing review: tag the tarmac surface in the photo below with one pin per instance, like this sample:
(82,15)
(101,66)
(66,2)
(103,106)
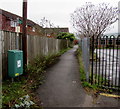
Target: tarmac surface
(63,88)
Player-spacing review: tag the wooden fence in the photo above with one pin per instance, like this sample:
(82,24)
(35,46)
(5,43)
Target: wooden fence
(36,46)
(44,46)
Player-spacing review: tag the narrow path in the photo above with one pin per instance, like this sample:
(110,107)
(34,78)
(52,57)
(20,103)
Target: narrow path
(62,87)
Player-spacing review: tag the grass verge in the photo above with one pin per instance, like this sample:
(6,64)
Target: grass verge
(85,84)
(20,93)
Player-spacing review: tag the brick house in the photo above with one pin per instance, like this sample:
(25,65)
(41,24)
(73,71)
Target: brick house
(108,41)
(9,21)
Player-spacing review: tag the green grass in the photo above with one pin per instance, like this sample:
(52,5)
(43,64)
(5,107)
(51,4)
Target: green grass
(99,79)
(82,72)
(29,82)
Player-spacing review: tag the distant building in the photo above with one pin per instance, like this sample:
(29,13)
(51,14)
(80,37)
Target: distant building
(108,41)
(52,32)
(9,22)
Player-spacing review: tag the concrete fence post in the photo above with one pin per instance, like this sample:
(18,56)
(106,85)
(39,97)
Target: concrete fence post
(86,56)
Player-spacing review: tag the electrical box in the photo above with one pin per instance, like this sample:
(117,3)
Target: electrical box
(15,63)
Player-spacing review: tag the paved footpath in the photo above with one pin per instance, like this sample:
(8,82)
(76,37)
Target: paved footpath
(63,87)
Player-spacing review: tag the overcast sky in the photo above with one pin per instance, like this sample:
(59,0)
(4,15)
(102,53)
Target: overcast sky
(57,11)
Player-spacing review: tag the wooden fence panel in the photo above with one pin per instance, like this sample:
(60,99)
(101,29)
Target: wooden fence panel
(44,46)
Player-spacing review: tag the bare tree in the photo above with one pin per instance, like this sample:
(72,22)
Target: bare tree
(49,28)
(93,20)
(45,23)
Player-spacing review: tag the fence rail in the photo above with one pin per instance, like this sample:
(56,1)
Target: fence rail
(36,46)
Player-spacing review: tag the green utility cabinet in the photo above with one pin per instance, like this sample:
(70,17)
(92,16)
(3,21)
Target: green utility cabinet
(15,63)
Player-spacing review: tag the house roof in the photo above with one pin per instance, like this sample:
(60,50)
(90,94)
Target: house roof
(14,17)
(66,29)
(111,35)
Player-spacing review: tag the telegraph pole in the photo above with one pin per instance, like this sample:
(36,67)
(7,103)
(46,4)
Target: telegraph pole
(24,33)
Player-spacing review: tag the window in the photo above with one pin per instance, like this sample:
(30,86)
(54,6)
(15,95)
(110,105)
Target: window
(33,29)
(118,42)
(13,23)
(110,41)
(102,41)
